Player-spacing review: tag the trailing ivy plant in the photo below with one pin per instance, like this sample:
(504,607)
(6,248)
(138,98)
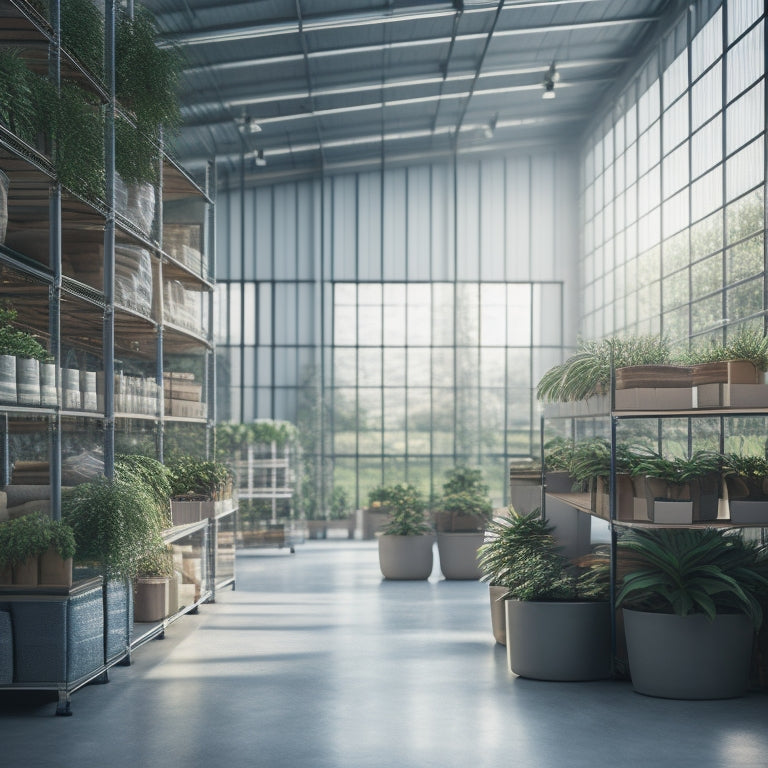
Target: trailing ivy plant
(82,33)
(17,109)
(147,76)
(155,477)
(137,157)
(16,342)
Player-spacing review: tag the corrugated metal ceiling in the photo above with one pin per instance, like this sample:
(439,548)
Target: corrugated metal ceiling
(349,84)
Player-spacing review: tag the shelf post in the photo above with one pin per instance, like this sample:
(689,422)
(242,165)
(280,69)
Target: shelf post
(109,243)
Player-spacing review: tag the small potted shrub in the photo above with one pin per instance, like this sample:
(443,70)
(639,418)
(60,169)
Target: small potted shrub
(691,603)
(465,509)
(679,490)
(22,541)
(405,544)
(152,595)
(199,489)
(557,611)
(746,478)
(56,560)
(376,514)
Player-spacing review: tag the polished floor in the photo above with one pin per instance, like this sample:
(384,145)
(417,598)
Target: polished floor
(315,662)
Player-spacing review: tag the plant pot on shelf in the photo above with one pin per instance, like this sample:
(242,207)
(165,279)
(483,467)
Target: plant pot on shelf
(27,381)
(8,379)
(625,495)
(688,657)
(726,372)
(48,396)
(668,503)
(26,573)
(151,599)
(55,571)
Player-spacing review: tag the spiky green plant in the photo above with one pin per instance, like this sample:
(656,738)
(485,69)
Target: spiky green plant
(685,571)
(678,470)
(521,554)
(588,371)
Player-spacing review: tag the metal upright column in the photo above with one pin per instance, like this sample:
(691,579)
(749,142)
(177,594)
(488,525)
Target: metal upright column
(109,243)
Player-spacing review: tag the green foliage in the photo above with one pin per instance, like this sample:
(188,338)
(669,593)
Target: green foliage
(17,342)
(146,76)
(74,119)
(339,504)
(685,571)
(677,471)
(82,33)
(17,110)
(521,554)
(156,562)
(407,510)
(588,371)
(746,467)
(378,496)
(232,437)
(748,344)
(137,157)
(22,538)
(153,474)
(195,479)
(115,524)
(465,493)
(61,538)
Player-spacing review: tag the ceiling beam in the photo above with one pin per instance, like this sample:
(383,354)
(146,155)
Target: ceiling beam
(225,66)
(239,103)
(342,20)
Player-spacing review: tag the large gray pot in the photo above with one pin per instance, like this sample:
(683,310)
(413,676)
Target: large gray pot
(562,641)
(405,557)
(498,614)
(458,554)
(688,657)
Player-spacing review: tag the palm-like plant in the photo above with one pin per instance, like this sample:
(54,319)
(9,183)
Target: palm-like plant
(677,471)
(685,571)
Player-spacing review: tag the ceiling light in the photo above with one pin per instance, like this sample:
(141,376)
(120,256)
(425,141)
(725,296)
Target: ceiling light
(258,158)
(550,79)
(247,124)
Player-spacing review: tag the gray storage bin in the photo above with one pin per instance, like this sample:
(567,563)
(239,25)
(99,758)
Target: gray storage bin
(6,649)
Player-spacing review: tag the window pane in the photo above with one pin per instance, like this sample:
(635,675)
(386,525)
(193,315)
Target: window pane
(745,62)
(707,45)
(744,118)
(706,97)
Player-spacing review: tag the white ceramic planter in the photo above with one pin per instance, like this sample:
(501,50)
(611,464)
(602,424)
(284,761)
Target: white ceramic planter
(406,557)
(498,613)
(458,554)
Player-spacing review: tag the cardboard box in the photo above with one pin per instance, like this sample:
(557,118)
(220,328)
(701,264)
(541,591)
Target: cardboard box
(731,396)
(654,399)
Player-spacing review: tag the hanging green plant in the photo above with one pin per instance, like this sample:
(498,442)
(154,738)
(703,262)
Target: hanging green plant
(17,110)
(16,342)
(136,155)
(146,76)
(74,119)
(82,33)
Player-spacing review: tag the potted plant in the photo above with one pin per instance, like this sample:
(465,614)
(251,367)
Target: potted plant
(199,489)
(558,477)
(56,560)
(679,490)
(691,604)
(588,371)
(740,360)
(115,524)
(746,481)
(339,514)
(20,357)
(153,600)
(465,511)
(376,515)
(557,610)
(153,474)
(405,544)
(22,541)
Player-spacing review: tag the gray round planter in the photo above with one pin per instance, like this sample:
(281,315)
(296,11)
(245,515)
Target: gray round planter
(405,557)
(458,554)
(498,614)
(565,641)
(688,657)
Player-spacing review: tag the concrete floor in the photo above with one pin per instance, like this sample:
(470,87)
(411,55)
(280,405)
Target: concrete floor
(316,662)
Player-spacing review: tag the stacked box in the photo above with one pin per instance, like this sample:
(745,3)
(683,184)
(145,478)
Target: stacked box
(183,395)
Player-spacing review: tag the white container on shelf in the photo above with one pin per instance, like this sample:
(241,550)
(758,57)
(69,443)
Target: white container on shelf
(48,385)
(71,398)
(27,381)
(8,379)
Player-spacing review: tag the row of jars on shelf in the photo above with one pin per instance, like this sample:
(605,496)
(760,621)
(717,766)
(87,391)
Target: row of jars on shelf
(29,382)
